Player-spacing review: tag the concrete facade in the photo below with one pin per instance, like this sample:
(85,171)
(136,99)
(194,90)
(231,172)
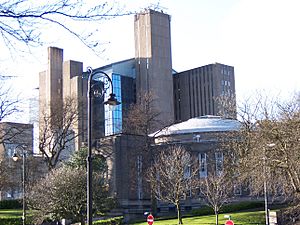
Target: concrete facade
(196,91)
(61,82)
(154,61)
(12,135)
(178,96)
(75,88)
(128,162)
(50,81)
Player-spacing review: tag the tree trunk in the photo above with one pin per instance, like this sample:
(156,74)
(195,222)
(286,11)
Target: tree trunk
(217,217)
(153,204)
(178,213)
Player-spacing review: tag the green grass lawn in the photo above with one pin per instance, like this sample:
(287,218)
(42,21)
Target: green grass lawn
(256,217)
(238,218)
(11,213)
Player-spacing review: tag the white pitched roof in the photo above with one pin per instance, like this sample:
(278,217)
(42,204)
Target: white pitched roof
(200,124)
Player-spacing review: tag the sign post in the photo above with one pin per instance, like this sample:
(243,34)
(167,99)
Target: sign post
(150,219)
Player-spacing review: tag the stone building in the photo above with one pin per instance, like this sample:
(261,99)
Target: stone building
(180,97)
(17,138)
(129,161)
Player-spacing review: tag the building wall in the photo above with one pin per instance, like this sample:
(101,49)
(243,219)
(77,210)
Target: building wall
(196,91)
(50,85)
(75,88)
(128,165)
(154,62)
(124,155)
(53,93)
(13,136)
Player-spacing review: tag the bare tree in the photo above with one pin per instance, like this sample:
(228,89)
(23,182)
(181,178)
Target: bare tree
(11,173)
(172,176)
(142,117)
(226,106)
(216,190)
(22,20)
(57,131)
(268,148)
(9,106)
(4,175)
(141,120)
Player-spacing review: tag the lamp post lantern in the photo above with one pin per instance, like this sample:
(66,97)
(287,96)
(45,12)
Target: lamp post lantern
(15,158)
(95,90)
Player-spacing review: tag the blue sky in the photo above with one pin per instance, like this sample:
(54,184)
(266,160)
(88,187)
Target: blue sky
(260,38)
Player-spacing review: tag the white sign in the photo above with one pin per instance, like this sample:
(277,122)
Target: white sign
(273,218)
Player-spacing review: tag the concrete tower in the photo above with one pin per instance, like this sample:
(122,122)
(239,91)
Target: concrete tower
(60,82)
(50,81)
(154,62)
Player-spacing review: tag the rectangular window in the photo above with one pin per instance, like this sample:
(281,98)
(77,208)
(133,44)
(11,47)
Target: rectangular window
(196,138)
(139,163)
(187,175)
(219,163)
(202,165)
(237,189)
(187,172)
(10,149)
(113,117)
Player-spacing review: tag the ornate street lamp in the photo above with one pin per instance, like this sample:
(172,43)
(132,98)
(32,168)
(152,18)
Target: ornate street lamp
(15,158)
(98,85)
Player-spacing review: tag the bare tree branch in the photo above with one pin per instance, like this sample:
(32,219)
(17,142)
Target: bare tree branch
(172,176)
(269,149)
(57,131)
(21,20)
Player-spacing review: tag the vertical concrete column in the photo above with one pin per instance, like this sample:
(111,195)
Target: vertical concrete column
(154,61)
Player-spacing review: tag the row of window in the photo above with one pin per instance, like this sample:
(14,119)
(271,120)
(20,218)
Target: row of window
(203,171)
(202,158)
(203,168)
(113,117)
(226,71)
(225,83)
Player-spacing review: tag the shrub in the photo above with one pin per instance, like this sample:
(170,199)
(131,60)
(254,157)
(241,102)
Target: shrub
(205,210)
(10,204)
(111,221)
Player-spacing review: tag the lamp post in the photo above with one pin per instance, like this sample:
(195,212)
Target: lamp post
(267,214)
(266,193)
(15,158)
(95,90)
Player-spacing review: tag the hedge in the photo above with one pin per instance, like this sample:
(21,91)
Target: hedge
(233,207)
(10,204)
(11,221)
(111,221)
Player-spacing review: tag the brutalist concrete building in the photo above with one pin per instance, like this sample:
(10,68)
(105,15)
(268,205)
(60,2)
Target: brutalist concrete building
(180,96)
(199,91)
(128,162)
